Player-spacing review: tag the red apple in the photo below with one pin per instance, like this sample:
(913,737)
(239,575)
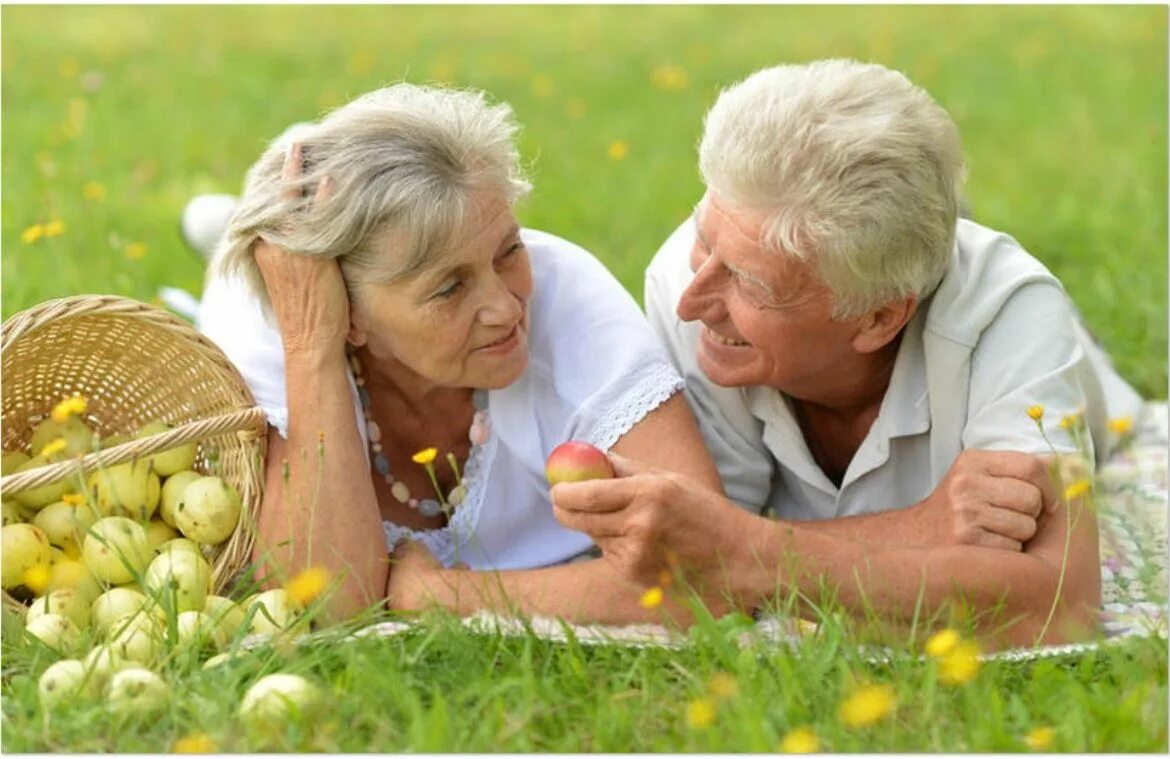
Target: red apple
(575,462)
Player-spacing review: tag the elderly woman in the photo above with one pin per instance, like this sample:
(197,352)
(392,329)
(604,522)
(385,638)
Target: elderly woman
(419,354)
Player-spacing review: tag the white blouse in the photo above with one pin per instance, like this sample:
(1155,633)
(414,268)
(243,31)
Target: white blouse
(595,370)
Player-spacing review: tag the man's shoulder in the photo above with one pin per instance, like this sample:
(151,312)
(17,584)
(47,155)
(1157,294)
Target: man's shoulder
(987,268)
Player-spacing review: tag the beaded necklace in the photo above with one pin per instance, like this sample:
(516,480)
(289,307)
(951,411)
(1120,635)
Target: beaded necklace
(428,507)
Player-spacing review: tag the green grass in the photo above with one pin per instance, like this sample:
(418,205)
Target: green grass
(1063,113)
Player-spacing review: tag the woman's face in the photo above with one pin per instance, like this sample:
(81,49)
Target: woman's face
(462,321)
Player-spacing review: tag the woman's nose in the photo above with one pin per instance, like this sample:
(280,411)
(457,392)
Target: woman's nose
(501,306)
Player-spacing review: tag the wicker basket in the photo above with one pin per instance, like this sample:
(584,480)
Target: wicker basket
(134,363)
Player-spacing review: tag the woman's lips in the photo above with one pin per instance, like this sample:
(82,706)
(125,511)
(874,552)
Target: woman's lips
(505,343)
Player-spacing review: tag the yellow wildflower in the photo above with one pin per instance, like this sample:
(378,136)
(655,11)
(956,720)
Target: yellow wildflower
(94,191)
(1040,738)
(652,598)
(306,585)
(67,68)
(53,447)
(136,250)
(959,665)
(671,78)
(55,228)
(1069,421)
(1121,426)
(36,578)
(942,643)
(425,456)
(73,499)
(197,743)
(32,234)
(542,85)
(618,149)
(72,406)
(700,713)
(801,740)
(867,705)
(1077,489)
(1036,412)
(722,686)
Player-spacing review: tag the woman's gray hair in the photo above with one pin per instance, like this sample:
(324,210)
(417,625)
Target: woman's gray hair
(404,162)
(854,169)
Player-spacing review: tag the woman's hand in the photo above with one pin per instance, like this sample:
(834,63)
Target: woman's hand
(308,294)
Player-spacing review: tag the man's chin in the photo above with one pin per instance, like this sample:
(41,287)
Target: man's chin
(717,373)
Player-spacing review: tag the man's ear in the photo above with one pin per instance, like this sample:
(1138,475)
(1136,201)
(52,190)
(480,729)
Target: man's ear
(877,328)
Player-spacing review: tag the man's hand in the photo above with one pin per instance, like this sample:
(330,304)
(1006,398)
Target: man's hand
(990,499)
(647,522)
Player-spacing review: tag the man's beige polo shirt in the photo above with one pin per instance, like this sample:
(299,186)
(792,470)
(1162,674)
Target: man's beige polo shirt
(998,335)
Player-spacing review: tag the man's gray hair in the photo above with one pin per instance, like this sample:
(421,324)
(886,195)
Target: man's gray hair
(404,161)
(854,169)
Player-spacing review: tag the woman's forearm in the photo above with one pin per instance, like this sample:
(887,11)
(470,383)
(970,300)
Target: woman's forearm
(320,508)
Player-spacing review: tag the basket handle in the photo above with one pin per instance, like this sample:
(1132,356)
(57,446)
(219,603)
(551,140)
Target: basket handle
(249,421)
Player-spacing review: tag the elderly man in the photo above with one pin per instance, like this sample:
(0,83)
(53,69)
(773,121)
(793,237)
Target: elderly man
(862,364)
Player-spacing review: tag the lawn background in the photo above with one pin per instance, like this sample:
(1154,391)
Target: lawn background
(1064,116)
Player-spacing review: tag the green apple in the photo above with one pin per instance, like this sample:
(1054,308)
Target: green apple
(174,460)
(10,461)
(137,691)
(109,441)
(55,631)
(68,602)
(23,547)
(38,498)
(172,494)
(73,574)
(13,513)
(115,550)
(115,604)
(275,699)
(209,510)
(179,580)
(197,628)
(100,665)
(130,489)
(219,659)
(159,533)
(65,525)
(61,681)
(226,614)
(137,637)
(278,611)
(78,437)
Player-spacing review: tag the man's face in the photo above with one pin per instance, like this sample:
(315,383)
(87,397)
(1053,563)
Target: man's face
(766,317)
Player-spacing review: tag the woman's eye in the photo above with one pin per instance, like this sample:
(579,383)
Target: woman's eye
(450,289)
(510,252)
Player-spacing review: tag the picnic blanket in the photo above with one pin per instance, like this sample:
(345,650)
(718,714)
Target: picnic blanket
(1131,498)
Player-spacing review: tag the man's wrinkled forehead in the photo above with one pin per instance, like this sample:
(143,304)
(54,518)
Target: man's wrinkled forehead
(747,224)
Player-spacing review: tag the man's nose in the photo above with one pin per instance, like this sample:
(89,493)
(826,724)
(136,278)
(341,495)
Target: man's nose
(702,292)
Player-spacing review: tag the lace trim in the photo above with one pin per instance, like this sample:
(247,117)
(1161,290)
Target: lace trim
(632,407)
(445,542)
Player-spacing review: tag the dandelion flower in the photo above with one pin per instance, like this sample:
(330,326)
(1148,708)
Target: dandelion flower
(801,740)
(94,191)
(1036,412)
(700,713)
(722,686)
(197,743)
(67,68)
(55,228)
(36,578)
(136,250)
(1121,426)
(942,643)
(1069,421)
(1077,489)
(1039,738)
(32,234)
(425,456)
(306,585)
(669,78)
(867,705)
(618,149)
(72,406)
(652,598)
(959,665)
(52,448)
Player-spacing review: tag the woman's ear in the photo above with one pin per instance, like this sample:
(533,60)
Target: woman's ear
(877,328)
